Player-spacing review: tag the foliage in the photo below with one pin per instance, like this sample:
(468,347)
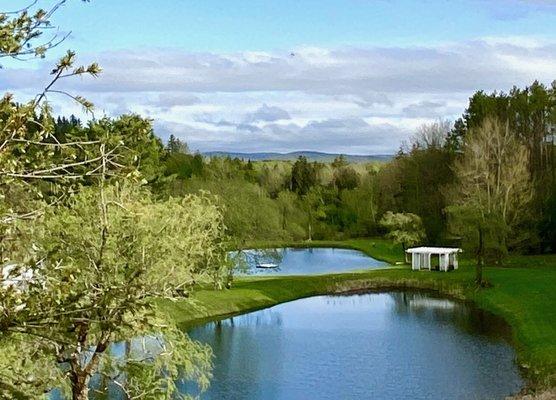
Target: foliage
(248,212)
(313,204)
(531,115)
(259,203)
(361,207)
(21,32)
(84,249)
(492,191)
(303,176)
(134,137)
(178,162)
(104,256)
(274,178)
(292,215)
(345,178)
(403,228)
(416,182)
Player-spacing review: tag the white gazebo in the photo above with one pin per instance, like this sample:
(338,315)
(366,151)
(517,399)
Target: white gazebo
(421,257)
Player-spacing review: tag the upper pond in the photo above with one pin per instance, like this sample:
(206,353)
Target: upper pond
(372,346)
(306,261)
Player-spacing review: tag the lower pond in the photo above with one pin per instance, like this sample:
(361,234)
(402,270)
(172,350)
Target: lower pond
(372,346)
(303,261)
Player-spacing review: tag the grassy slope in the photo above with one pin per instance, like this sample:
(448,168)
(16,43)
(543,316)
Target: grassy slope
(523,293)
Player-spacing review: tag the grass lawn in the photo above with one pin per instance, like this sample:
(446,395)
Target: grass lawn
(524,293)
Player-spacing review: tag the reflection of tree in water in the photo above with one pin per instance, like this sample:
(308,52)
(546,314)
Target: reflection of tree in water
(237,347)
(463,315)
(267,317)
(246,261)
(144,349)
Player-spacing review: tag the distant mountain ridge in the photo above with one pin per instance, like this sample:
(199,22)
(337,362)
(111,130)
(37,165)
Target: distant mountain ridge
(294,155)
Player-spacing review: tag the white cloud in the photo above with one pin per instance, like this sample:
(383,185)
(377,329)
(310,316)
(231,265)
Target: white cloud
(267,114)
(425,108)
(346,99)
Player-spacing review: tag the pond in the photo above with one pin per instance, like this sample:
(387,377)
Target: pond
(305,261)
(373,346)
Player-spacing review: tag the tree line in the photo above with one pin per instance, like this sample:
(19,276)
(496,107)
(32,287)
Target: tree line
(485,182)
(502,148)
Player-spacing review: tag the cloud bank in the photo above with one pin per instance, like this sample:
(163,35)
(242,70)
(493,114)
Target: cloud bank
(349,100)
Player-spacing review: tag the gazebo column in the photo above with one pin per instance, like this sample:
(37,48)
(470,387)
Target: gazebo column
(415,264)
(441,261)
(446,263)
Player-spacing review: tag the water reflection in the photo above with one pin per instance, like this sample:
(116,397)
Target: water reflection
(464,316)
(373,346)
(301,261)
(102,386)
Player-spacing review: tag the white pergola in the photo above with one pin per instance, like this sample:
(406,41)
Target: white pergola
(421,257)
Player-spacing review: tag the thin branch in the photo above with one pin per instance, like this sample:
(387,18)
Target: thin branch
(66,144)
(26,8)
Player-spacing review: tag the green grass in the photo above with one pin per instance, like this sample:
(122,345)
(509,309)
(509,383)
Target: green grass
(524,293)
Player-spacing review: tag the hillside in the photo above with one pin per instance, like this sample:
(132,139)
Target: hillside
(311,156)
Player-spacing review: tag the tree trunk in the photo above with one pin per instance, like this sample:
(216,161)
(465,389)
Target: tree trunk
(80,377)
(405,254)
(480,259)
(80,386)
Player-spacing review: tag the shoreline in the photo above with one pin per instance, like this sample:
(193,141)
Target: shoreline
(250,294)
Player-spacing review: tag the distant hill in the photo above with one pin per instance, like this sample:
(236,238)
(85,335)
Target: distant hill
(311,156)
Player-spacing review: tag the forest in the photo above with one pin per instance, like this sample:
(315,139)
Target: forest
(304,200)
(101,221)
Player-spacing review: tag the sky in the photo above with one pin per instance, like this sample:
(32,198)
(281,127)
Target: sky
(343,76)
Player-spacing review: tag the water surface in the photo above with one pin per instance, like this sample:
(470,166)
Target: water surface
(306,261)
(373,346)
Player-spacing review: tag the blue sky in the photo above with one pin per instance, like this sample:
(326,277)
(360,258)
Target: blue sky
(346,76)
(224,26)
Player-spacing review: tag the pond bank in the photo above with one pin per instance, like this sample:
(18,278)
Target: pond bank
(523,295)
(358,346)
(549,394)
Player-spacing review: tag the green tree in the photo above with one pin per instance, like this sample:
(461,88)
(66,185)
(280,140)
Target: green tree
(403,228)
(362,203)
(249,213)
(31,159)
(492,191)
(345,178)
(416,180)
(530,114)
(314,206)
(304,176)
(292,215)
(133,138)
(339,162)
(81,265)
(106,256)
(176,145)
(273,178)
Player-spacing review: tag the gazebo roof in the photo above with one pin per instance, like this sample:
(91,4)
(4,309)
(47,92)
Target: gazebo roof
(434,250)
